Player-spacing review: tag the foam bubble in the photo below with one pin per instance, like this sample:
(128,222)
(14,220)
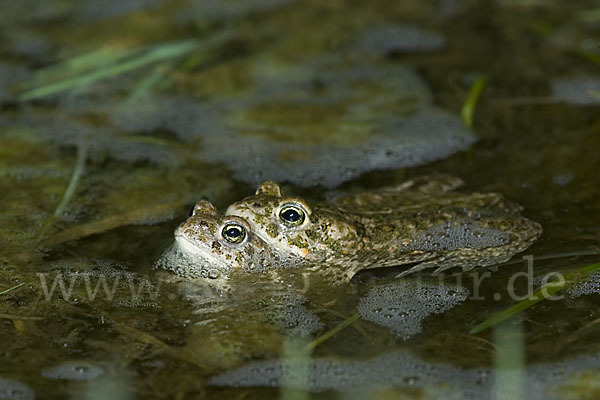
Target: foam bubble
(287,310)
(562,179)
(589,286)
(97,268)
(403,305)
(99,279)
(427,136)
(137,302)
(399,38)
(99,9)
(362,117)
(453,236)
(69,129)
(581,91)
(188,119)
(13,12)
(400,369)
(191,266)
(340,77)
(74,371)
(360,133)
(216,10)
(15,390)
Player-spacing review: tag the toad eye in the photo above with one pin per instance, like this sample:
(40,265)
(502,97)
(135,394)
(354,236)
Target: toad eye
(292,215)
(234,233)
(191,212)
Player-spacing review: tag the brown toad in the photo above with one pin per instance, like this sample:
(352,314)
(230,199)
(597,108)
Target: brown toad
(421,223)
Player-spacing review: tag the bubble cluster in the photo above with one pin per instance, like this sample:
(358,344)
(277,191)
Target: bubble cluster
(74,371)
(12,12)
(454,236)
(137,302)
(400,369)
(287,311)
(191,266)
(15,390)
(403,305)
(580,91)
(322,121)
(546,381)
(71,12)
(98,268)
(218,10)
(425,137)
(589,286)
(201,265)
(384,39)
(337,77)
(100,10)
(288,145)
(102,280)
(562,179)
(186,118)
(70,129)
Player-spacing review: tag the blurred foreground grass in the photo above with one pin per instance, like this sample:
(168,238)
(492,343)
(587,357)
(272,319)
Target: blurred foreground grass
(89,68)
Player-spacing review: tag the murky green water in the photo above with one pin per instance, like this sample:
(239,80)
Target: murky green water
(158,104)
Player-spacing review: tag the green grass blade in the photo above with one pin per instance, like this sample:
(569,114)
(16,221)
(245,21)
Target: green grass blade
(587,55)
(509,362)
(10,289)
(156,54)
(468,109)
(553,256)
(332,332)
(91,67)
(78,65)
(77,172)
(294,373)
(548,290)
(146,85)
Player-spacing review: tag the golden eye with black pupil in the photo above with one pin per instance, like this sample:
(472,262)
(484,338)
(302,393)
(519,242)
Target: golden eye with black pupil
(292,215)
(234,233)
